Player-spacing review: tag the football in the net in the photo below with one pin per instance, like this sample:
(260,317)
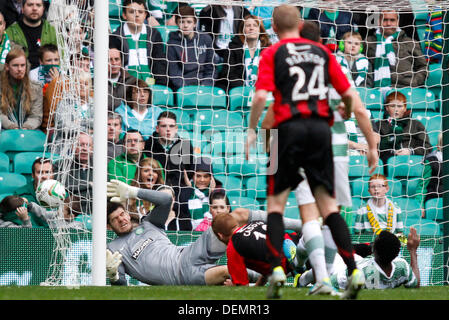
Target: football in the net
(51,194)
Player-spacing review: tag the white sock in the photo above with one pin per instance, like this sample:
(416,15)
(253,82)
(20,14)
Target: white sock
(330,248)
(314,243)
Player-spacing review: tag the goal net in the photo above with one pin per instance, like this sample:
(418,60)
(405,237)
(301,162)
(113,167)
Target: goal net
(207,81)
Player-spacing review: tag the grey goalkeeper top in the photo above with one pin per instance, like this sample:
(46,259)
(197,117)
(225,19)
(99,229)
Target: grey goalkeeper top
(149,256)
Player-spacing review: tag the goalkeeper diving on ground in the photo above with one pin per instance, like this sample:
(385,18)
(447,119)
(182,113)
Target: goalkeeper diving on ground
(147,254)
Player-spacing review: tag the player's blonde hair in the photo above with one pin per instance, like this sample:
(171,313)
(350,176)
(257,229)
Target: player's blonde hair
(286,18)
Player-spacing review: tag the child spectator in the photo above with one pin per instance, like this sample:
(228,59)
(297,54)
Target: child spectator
(241,59)
(379,213)
(21,98)
(138,113)
(190,53)
(218,203)
(5,44)
(142,45)
(48,65)
(399,133)
(350,56)
(14,213)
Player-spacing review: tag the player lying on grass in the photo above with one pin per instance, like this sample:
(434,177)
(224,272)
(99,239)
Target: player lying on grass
(247,248)
(147,254)
(384,268)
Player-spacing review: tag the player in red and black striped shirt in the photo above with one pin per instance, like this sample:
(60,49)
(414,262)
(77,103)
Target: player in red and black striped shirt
(299,73)
(247,248)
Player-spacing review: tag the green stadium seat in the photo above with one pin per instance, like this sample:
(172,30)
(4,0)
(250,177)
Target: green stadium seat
(14,141)
(23,161)
(4,162)
(358,167)
(420,99)
(424,227)
(405,166)
(162,96)
(10,182)
(4,195)
(240,98)
(291,207)
(184,118)
(409,206)
(218,120)
(231,143)
(243,202)
(434,79)
(201,97)
(256,187)
(410,185)
(372,98)
(256,164)
(432,121)
(434,209)
(165,31)
(232,184)
(115,8)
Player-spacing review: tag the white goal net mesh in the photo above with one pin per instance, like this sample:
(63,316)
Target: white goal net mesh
(207,81)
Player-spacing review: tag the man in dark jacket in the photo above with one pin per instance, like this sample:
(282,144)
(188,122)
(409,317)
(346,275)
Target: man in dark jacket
(119,79)
(174,153)
(176,157)
(190,53)
(210,21)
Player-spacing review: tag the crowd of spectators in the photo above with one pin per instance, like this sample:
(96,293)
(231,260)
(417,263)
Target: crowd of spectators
(213,45)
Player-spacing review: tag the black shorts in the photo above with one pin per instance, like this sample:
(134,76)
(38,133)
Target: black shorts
(301,143)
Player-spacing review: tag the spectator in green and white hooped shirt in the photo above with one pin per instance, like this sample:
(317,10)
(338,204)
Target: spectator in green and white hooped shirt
(5,44)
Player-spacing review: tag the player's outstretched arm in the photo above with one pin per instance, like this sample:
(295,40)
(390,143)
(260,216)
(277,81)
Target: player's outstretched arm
(353,102)
(412,246)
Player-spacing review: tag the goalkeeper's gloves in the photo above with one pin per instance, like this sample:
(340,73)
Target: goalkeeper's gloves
(119,191)
(113,261)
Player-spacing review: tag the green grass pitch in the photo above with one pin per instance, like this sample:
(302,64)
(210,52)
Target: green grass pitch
(203,293)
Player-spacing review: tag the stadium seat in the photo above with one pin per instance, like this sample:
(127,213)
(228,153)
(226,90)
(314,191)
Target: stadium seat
(232,184)
(432,122)
(200,97)
(240,98)
(4,162)
(165,31)
(218,120)
(409,206)
(10,182)
(291,207)
(115,14)
(434,209)
(244,202)
(256,187)
(4,195)
(14,141)
(358,167)
(232,143)
(23,161)
(184,118)
(162,96)
(372,98)
(434,79)
(420,99)
(256,164)
(405,166)
(424,227)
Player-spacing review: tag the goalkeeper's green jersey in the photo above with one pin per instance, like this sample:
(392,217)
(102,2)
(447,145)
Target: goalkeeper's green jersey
(375,277)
